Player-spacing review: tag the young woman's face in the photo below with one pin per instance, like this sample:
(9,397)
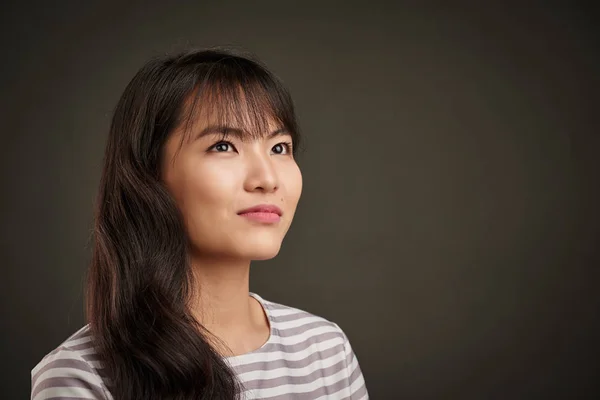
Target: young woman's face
(214,180)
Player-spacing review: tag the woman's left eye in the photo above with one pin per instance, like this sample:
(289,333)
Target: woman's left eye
(282,148)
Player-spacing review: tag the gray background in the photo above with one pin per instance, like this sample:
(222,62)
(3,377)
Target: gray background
(449,219)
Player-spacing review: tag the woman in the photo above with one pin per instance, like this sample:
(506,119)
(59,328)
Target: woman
(199,179)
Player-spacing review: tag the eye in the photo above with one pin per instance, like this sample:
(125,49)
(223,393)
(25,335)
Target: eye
(282,148)
(222,147)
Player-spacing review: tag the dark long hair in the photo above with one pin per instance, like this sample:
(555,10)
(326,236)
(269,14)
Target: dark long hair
(139,282)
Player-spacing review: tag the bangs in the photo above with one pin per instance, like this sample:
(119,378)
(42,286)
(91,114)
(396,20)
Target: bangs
(240,93)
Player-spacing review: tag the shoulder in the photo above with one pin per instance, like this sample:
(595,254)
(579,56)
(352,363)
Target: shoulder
(306,342)
(294,325)
(285,313)
(69,371)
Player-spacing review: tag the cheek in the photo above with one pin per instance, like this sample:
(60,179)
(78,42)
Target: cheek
(210,195)
(204,191)
(293,181)
(211,191)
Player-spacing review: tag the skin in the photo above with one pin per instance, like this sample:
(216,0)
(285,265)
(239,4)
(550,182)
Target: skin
(211,181)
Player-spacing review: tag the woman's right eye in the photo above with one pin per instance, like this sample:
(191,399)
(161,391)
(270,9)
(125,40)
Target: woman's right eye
(222,147)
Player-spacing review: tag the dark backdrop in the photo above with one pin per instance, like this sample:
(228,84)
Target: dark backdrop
(449,220)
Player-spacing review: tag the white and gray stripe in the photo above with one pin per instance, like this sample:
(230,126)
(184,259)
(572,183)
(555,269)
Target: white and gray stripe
(306,357)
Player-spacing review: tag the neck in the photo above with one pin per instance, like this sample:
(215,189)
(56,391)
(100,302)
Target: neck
(221,300)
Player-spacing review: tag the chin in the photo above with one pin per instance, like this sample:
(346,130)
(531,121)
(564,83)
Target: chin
(264,251)
(264,255)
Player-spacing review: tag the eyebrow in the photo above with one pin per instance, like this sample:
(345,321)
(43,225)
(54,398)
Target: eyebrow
(239,133)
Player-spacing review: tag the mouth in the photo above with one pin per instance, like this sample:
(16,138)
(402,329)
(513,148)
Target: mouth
(265,213)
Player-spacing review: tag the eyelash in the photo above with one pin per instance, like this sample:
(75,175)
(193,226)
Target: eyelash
(287,145)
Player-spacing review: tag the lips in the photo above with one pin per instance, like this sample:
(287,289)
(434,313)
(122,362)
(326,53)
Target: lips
(264,214)
(262,208)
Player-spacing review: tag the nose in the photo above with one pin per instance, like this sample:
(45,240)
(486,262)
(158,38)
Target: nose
(262,175)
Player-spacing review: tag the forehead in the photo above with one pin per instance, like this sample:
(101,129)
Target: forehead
(252,116)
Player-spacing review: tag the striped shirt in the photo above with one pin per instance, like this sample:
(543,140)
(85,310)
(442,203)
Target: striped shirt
(305,357)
